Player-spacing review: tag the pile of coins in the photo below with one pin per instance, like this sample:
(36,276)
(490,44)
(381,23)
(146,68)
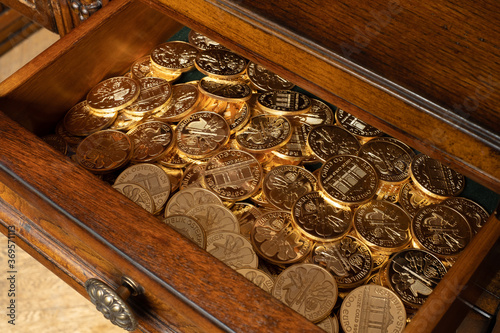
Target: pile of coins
(325,212)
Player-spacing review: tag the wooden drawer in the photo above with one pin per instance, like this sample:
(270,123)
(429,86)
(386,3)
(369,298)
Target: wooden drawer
(78,226)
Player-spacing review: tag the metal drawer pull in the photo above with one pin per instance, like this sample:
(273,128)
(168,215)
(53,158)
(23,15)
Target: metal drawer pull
(112,304)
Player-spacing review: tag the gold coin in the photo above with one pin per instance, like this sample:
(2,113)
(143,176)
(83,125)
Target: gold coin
(359,128)
(202,134)
(113,94)
(141,68)
(175,176)
(296,148)
(327,141)
(170,76)
(173,160)
(124,121)
(275,239)
(283,185)
(150,176)
(276,161)
(214,218)
(284,102)
(308,289)
(155,94)
(372,307)
(152,141)
(329,324)
(236,115)
(348,180)
(259,199)
(174,56)
(185,98)
(193,176)
(104,151)
(348,259)
(137,194)
(232,249)
(56,142)
(476,215)
(319,220)
(188,227)
(264,79)
(412,199)
(264,133)
(233,175)
(188,198)
(220,64)
(412,274)
(72,140)
(319,114)
(225,90)
(202,42)
(258,277)
(246,214)
(80,120)
(435,179)
(440,230)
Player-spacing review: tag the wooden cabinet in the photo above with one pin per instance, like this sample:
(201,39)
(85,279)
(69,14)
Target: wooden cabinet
(80,228)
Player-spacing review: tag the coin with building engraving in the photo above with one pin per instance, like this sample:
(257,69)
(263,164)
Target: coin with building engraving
(225,90)
(384,226)
(348,180)
(174,56)
(441,230)
(264,79)
(348,259)
(188,227)
(275,239)
(104,151)
(319,114)
(152,178)
(233,174)
(220,64)
(284,102)
(187,198)
(113,94)
(137,194)
(185,98)
(258,277)
(319,220)
(435,179)
(476,215)
(80,120)
(308,289)
(356,126)
(152,141)
(372,308)
(203,42)
(326,141)
(411,199)
(154,95)
(264,133)
(232,249)
(214,218)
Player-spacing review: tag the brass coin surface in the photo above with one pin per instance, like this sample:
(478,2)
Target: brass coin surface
(236,115)
(356,126)
(411,199)
(174,56)
(348,259)
(104,151)
(283,185)
(124,122)
(384,226)
(185,98)
(435,179)
(141,67)
(175,176)
(150,176)
(348,180)
(247,214)
(476,215)
(202,134)
(319,114)
(163,73)
(80,120)
(137,194)
(56,142)
(264,79)
(172,159)
(275,239)
(193,176)
(326,141)
(413,274)
(225,90)
(152,140)
(220,64)
(284,102)
(372,308)
(188,227)
(440,230)
(296,148)
(155,93)
(232,249)
(203,42)
(113,94)
(329,324)
(308,289)
(264,133)
(318,219)
(72,140)
(233,174)
(181,202)
(258,277)
(214,218)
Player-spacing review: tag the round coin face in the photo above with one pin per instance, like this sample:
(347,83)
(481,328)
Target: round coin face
(377,307)
(193,176)
(188,198)
(383,225)
(152,141)
(330,324)
(185,97)
(348,259)
(308,289)
(436,179)
(348,180)
(296,148)
(173,160)
(258,277)
(202,134)
(232,249)
(327,141)
(319,114)
(56,142)
(264,133)
(141,67)
(356,126)
(284,102)
(214,218)
(137,194)
(233,175)
(113,94)
(104,151)
(202,42)
(174,56)
(124,121)
(318,219)
(275,239)
(476,215)
(264,79)
(155,93)
(440,230)
(225,90)
(82,121)
(237,115)
(247,214)
(188,227)
(411,199)
(220,64)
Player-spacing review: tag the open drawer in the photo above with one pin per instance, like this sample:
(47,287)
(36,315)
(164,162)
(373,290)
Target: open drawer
(78,227)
